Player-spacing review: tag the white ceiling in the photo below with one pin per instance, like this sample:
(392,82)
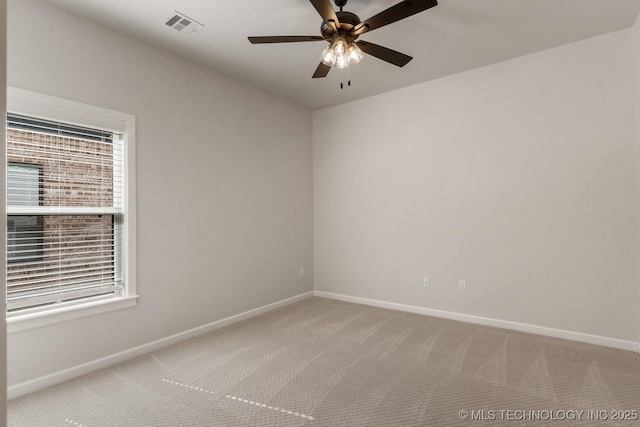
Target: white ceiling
(455,36)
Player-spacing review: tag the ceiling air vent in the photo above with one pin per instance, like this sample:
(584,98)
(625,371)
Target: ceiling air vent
(183,23)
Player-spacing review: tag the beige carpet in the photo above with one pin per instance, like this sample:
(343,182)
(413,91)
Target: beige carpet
(320,362)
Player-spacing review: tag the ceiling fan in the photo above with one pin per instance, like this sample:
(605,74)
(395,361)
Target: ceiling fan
(342,29)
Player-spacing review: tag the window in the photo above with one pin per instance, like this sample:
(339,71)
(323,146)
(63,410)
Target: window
(70,211)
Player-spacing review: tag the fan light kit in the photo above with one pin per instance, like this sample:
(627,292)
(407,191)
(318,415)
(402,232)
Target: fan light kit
(342,30)
(341,54)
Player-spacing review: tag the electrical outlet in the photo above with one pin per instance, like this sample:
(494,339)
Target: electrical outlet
(425,281)
(462,285)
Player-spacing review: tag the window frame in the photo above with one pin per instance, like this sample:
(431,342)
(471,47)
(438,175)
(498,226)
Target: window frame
(23,102)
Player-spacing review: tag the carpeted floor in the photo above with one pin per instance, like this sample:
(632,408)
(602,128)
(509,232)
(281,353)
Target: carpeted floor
(321,362)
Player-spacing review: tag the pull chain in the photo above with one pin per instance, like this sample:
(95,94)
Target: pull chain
(348,78)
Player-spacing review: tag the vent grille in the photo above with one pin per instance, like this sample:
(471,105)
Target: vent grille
(173,20)
(183,23)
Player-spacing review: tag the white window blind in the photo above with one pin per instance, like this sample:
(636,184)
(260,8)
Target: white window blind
(65,206)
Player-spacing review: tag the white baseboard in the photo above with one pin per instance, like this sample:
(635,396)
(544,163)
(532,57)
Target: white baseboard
(486,321)
(31,386)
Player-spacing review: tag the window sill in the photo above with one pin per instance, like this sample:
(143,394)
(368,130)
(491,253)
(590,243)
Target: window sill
(25,322)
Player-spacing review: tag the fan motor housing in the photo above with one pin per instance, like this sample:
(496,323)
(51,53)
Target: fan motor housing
(348,20)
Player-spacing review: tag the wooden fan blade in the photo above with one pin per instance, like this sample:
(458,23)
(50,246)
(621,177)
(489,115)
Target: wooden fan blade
(321,71)
(325,10)
(402,10)
(386,54)
(284,39)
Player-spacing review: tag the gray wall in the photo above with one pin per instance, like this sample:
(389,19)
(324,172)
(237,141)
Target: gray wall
(518,177)
(224,186)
